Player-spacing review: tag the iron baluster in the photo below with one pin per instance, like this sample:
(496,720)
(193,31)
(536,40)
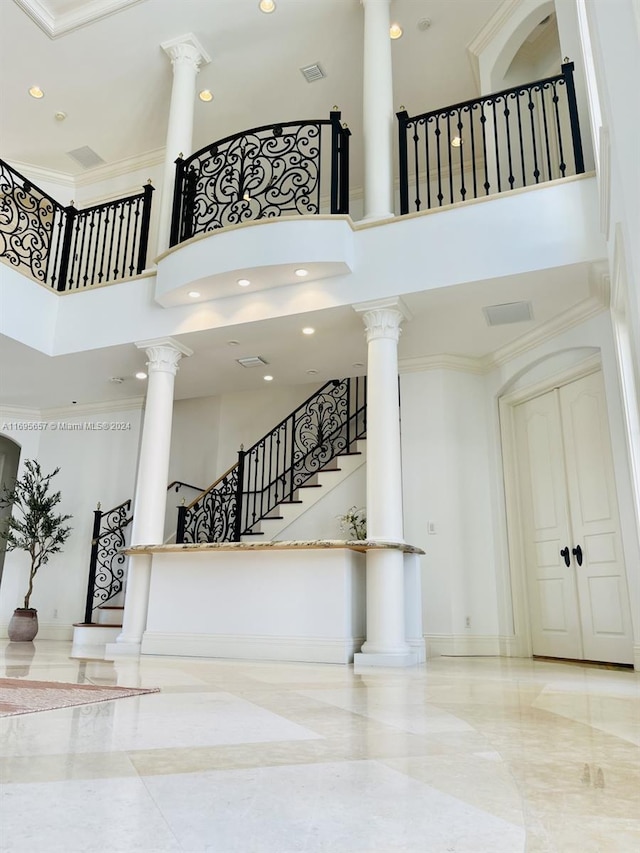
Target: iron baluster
(176,211)
(63,272)
(449,156)
(567,73)
(402,154)
(93,562)
(440,197)
(238,527)
(547,149)
(144,230)
(463,189)
(562,165)
(427,166)
(495,143)
(536,170)
(521,138)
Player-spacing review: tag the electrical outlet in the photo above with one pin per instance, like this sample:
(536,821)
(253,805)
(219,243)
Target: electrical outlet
(431,528)
(467,622)
(55,613)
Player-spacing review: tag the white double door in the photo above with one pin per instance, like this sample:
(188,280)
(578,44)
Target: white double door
(576,581)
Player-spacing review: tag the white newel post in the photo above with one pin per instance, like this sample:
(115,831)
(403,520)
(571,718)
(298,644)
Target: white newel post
(186,55)
(378,116)
(386,643)
(151,486)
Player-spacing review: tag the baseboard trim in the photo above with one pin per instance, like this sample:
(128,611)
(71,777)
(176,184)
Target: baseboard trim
(247,647)
(636,657)
(46,631)
(464,645)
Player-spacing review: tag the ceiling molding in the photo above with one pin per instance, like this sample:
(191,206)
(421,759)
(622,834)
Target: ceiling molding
(16,413)
(121,167)
(39,173)
(443,361)
(484,37)
(574,316)
(87,12)
(131,404)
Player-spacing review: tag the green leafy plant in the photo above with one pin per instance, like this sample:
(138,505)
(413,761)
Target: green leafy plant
(34,526)
(354,523)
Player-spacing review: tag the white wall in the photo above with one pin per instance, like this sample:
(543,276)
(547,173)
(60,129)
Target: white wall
(96,465)
(446,482)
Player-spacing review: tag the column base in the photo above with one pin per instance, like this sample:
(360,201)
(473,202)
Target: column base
(115,650)
(364,660)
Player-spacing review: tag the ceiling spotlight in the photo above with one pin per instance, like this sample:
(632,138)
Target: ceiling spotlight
(141,375)
(36,92)
(60,116)
(244,282)
(267,6)
(206,95)
(301,273)
(194,294)
(395,31)
(268,378)
(308,330)
(456,142)
(424,24)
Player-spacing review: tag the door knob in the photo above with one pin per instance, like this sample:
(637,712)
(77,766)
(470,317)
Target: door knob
(565,553)
(577,553)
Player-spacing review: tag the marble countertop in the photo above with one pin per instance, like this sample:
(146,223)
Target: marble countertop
(361,545)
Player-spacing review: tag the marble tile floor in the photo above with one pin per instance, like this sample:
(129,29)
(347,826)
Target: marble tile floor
(460,755)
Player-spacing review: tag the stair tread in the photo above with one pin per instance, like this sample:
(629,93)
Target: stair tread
(253,533)
(95,625)
(290,502)
(310,486)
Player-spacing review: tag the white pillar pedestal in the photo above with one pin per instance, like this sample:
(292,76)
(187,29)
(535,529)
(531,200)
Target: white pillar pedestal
(151,486)
(378,117)
(386,643)
(186,55)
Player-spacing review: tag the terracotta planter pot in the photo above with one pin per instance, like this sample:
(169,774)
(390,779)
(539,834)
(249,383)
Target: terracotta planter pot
(23,625)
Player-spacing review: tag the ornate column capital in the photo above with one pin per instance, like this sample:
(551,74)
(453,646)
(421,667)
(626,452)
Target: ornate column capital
(382,318)
(164,354)
(186,49)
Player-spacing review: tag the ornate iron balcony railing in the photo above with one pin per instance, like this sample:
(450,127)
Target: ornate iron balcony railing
(269,473)
(66,248)
(107,562)
(270,171)
(514,138)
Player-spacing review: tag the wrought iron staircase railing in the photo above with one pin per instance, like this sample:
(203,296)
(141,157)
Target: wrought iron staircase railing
(270,171)
(270,472)
(66,248)
(107,562)
(514,138)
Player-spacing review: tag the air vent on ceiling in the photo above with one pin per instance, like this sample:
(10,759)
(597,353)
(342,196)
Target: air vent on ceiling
(86,156)
(311,73)
(251,361)
(509,312)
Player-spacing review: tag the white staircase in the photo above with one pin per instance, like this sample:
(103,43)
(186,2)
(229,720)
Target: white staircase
(90,638)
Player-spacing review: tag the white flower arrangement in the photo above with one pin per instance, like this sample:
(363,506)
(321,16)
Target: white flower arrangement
(354,523)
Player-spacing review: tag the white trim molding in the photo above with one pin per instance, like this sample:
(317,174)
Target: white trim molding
(479,645)
(85,13)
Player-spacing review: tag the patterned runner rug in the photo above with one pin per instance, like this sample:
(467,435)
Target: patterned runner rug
(18,696)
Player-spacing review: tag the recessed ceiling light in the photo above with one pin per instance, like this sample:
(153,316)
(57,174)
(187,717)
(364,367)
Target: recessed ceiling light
(206,95)
(267,6)
(312,372)
(141,375)
(60,116)
(233,343)
(308,330)
(301,273)
(395,31)
(456,142)
(358,363)
(194,294)
(36,92)
(268,378)
(244,282)
(117,380)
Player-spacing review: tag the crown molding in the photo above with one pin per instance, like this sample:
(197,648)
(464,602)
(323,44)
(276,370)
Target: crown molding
(131,404)
(59,25)
(148,160)
(442,361)
(39,173)
(595,304)
(484,37)
(9,413)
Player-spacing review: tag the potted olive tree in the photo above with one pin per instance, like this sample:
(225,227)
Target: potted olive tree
(36,528)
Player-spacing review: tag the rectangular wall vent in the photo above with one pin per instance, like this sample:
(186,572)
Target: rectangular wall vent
(311,73)
(251,361)
(86,156)
(509,312)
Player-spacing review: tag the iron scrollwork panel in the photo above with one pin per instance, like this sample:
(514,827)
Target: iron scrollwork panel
(29,222)
(319,432)
(110,564)
(213,518)
(262,174)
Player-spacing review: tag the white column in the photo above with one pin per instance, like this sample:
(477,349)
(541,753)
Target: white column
(186,55)
(378,116)
(151,486)
(386,643)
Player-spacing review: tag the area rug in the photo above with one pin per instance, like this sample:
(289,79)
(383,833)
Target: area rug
(18,696)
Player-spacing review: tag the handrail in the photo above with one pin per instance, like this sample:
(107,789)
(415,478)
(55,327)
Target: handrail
(178,483)
(67,248)
(325,425)
(267,171)
(500,141)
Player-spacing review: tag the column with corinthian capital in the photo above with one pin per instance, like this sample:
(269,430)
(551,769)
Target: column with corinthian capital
(186,55)
(386,643)
(151,486)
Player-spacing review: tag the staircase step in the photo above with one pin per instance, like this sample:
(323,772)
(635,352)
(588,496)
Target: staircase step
(92,634)
(285,503)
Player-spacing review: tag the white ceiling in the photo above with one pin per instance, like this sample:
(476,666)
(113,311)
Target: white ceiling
(113,81)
